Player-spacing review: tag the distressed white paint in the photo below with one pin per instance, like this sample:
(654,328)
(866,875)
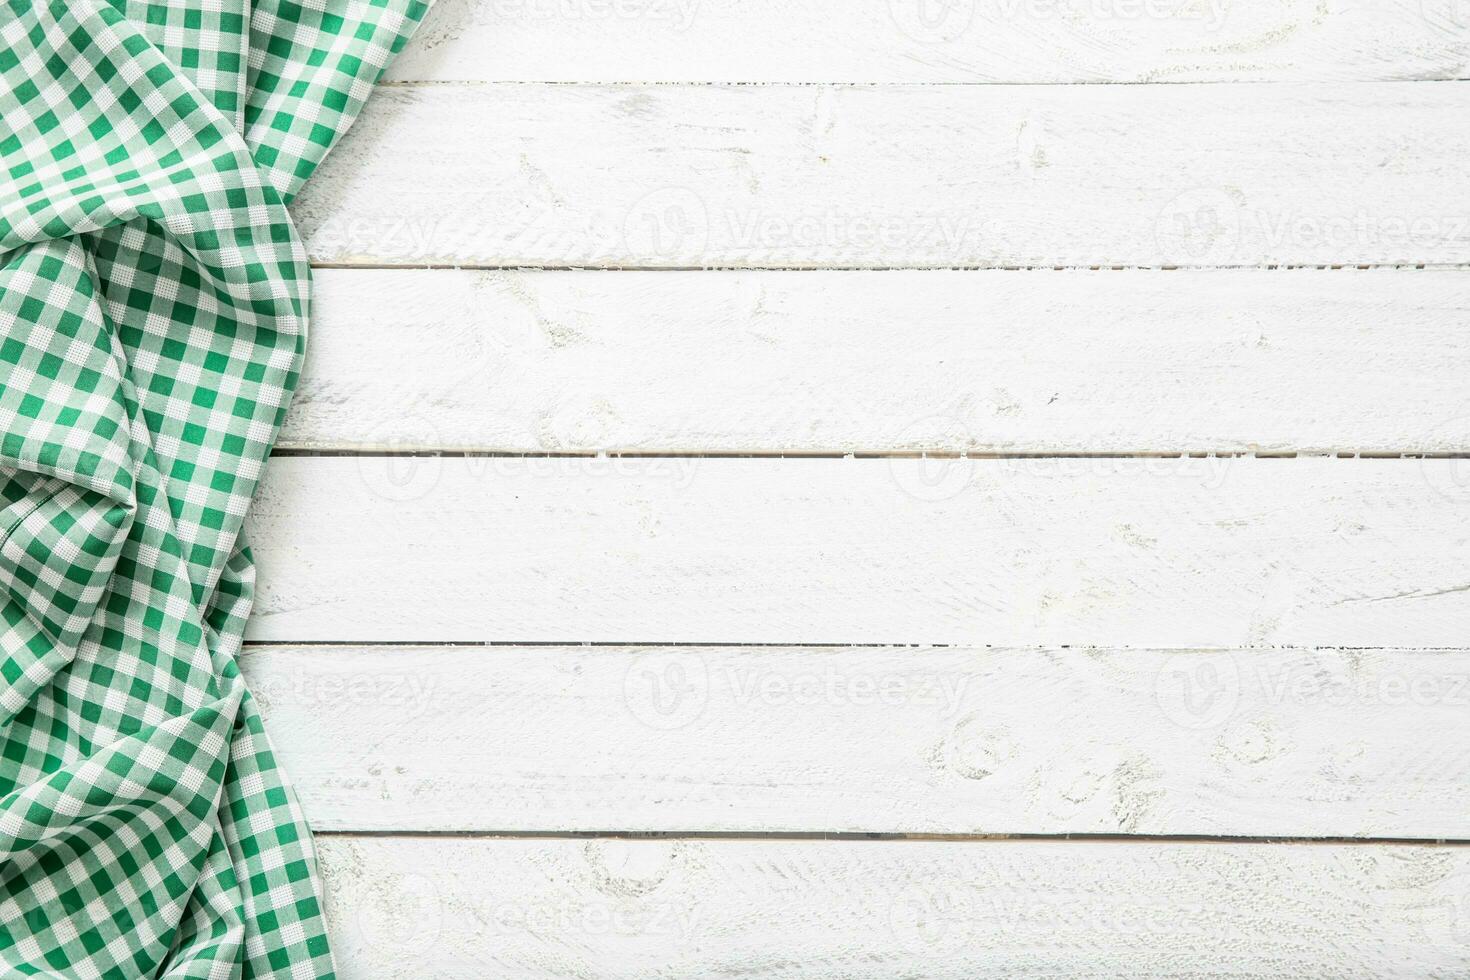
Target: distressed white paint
(922,41)
(404,909)
(1132,552)
(1120,556)
(1282,742)
(979,361)
(832,175)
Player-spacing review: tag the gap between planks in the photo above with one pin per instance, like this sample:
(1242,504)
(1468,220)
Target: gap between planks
(879,838)
(349,645)
(840,454)
(915,267)
(844,83)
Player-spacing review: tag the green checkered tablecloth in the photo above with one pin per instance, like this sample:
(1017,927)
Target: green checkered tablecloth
(153,304)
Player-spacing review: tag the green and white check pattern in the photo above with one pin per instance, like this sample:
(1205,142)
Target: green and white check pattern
(153,302)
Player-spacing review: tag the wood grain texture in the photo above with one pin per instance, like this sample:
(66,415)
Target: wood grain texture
(1125,552)
(981,361)
(1321,743)
(914,41)
(1131,562)
(821,176)
(469,909)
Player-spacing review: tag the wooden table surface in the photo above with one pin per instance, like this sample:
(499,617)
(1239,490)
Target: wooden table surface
(887,489)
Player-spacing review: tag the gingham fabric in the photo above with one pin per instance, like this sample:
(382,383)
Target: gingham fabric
(153,301)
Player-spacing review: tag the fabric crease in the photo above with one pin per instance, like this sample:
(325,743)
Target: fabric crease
(154,296)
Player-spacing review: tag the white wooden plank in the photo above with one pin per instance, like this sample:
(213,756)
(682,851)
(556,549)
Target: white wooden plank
(1023,552)
(812,176)
(981,361)
(915,41)
(1284,743)
(876,910)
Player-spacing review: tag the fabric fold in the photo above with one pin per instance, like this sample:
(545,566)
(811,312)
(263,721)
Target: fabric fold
(154,297)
